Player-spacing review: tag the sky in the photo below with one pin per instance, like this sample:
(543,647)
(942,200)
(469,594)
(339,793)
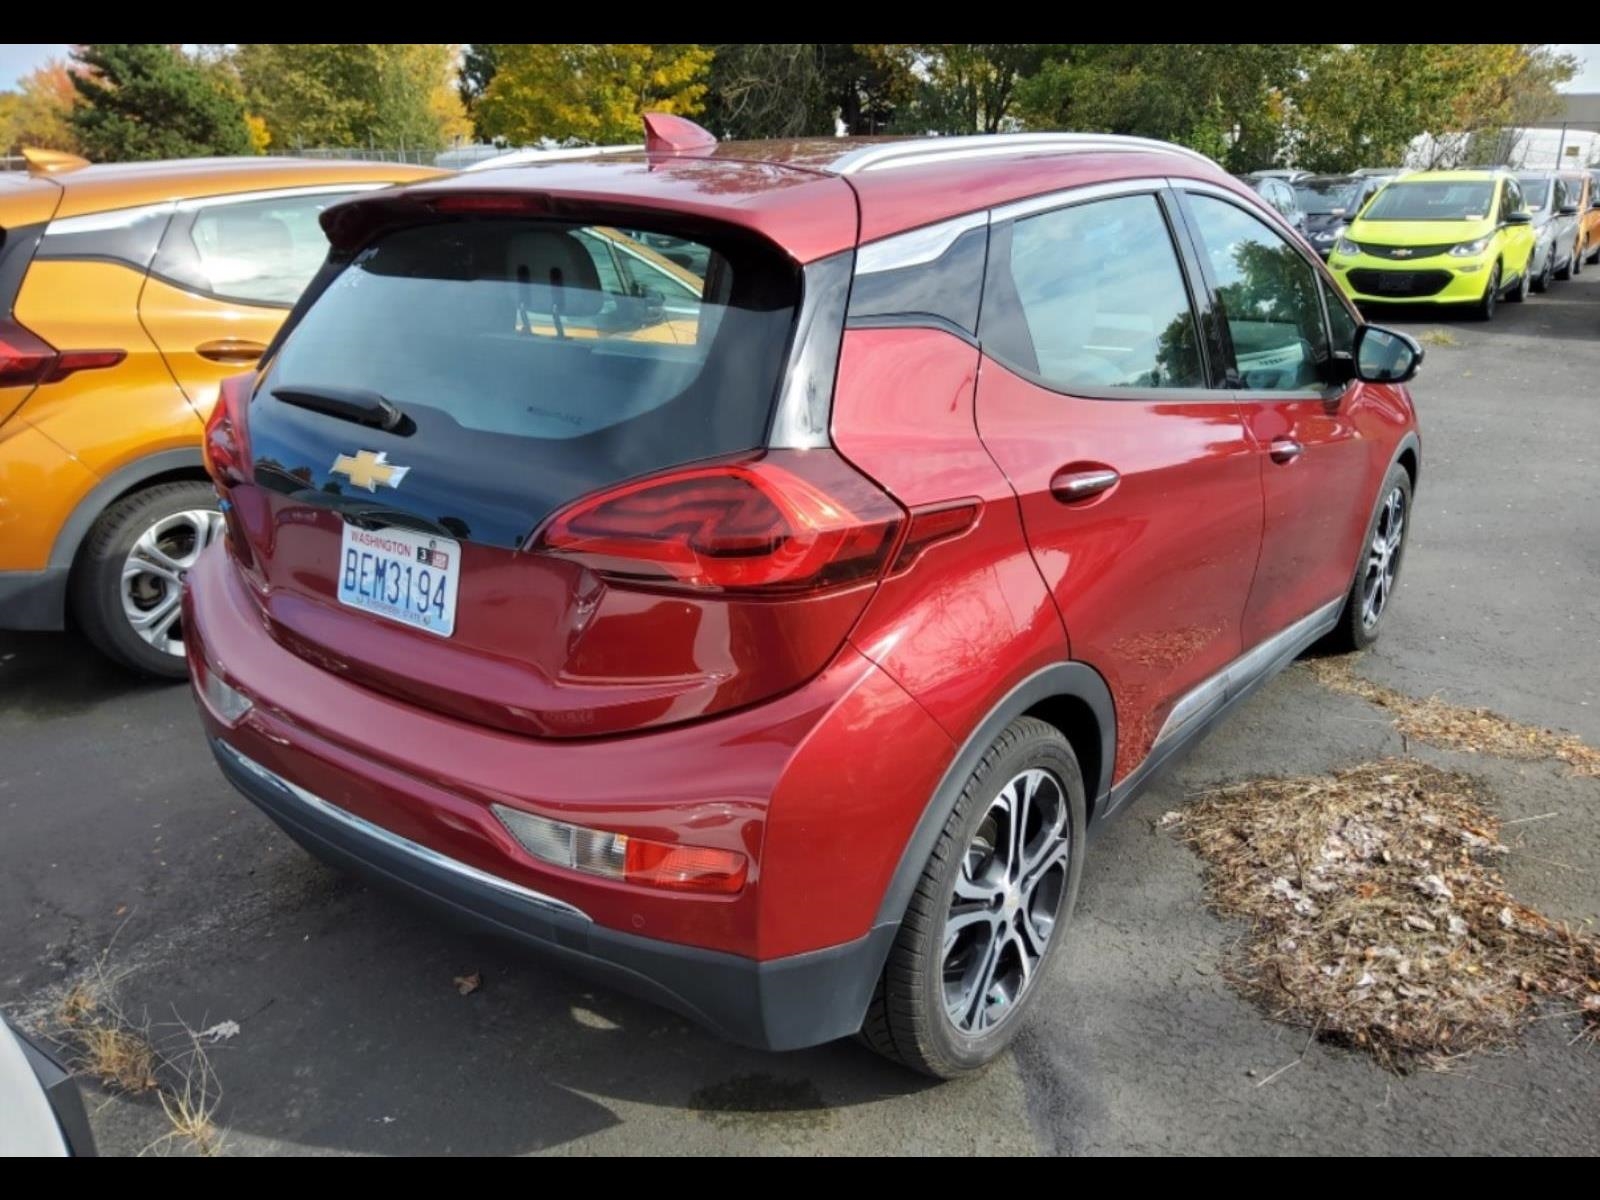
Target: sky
(18,58)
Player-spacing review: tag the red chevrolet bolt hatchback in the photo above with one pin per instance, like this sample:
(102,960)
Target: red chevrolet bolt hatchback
(747,571)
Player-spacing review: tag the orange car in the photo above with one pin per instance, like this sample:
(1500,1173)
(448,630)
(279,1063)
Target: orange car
(127,293)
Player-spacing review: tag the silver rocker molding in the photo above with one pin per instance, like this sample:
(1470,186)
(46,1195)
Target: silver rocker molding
(1195,711)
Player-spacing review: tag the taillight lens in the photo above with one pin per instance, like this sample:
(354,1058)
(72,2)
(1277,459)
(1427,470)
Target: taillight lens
(628,859)
(224,447)
(26,358)
(790,522)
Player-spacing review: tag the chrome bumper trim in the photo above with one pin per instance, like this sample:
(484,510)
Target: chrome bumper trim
(394,841)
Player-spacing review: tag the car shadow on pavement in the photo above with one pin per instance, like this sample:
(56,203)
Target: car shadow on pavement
(357,1034)
(44,675)
(1570,310)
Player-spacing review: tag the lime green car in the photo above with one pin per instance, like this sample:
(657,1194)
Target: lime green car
(1439,237)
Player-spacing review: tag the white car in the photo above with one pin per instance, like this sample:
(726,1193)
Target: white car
(535,154)
(41,1113)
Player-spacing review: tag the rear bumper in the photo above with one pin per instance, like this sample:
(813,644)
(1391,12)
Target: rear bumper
(779,1004)
(33,600)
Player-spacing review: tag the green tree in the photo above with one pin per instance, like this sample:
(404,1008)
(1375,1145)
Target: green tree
(147,100)
(867,84)
(1363,104)
(967,88)
(588,93)
(769,90)
(388,94)
(479,62)
(1227,101)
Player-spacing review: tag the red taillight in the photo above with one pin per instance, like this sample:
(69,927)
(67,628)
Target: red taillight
(26,358)
(791,522)
(930,525)
(683,868)
(224,447)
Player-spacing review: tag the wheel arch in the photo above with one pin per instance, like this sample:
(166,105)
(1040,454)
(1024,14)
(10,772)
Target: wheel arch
(166,466)
(1072,697)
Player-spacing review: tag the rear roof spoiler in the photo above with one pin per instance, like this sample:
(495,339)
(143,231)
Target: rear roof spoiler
(51,162)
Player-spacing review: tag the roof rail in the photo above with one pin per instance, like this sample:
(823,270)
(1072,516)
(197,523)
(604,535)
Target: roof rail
(914,151)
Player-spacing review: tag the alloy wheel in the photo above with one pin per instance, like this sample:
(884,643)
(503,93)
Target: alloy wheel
(1006,900)
(1383,558)
(154,571)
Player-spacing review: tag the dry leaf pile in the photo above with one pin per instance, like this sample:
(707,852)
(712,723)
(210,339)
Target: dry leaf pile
(1378,916)
(1457,727)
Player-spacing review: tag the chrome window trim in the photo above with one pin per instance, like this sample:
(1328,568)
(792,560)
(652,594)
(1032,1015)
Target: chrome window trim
(111,218)
(394,841)
(1084,193)
(1211,693)
(916,247)
(923,151)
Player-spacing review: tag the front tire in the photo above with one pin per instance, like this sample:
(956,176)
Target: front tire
(1574,264)
(990,911)
(128,580)
(1378,574)
(1542,283)
(1484,309)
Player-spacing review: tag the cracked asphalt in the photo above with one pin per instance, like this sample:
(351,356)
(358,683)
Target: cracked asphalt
(120,843)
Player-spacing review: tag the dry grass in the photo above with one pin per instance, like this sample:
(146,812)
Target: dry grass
(1378,917)
(123,1056)
(1457,727)
(1438,337)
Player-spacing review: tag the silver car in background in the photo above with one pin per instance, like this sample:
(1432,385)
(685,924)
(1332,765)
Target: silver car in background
(1553,197)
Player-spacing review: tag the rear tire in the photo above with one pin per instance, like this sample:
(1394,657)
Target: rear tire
(1382,554)
(1519,292)
(127,581)
(966,966)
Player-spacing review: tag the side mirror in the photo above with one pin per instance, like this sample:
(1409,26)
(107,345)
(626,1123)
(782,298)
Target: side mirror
(1568,210)
(1386,355)
(1521,217)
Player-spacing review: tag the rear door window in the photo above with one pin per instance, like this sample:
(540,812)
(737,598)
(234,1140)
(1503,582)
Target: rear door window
(262,251)
(1091,297)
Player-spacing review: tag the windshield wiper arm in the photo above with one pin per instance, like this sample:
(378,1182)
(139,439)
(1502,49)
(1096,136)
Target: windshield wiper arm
(348,404)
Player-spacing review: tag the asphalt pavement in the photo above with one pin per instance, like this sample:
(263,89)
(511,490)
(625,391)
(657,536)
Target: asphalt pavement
(123,853)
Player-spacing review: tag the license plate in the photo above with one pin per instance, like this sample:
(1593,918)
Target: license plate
(1394,282)
(403,576)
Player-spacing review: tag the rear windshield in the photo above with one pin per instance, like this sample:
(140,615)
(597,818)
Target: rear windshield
(1327,197)
(555,332)
(1438,201)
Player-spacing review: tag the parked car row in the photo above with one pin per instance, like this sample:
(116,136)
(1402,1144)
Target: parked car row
(1468,239)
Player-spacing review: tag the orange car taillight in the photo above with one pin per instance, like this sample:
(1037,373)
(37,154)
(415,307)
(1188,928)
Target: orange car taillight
(27,358)
(791,522)
(628,859)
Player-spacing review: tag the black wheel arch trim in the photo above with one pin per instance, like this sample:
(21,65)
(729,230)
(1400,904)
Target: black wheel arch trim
(119,483)
(1073,680)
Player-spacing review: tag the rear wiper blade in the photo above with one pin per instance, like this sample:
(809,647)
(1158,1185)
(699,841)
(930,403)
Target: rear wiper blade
(348,404)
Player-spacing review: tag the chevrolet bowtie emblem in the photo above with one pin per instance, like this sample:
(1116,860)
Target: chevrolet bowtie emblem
(367,470)
(1401,253)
